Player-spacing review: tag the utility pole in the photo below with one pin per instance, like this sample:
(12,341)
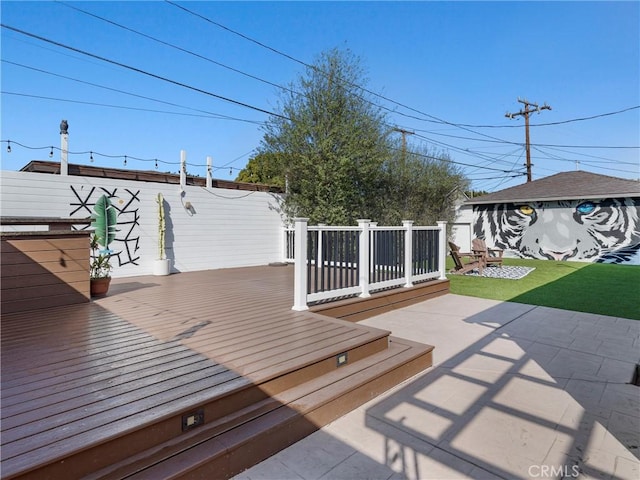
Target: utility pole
(403,166)
(404,138)
(528,109)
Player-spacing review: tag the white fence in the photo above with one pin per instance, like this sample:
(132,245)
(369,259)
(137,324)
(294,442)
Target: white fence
(207,228)
(333,262)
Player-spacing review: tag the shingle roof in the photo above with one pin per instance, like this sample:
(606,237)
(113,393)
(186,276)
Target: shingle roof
(564,186)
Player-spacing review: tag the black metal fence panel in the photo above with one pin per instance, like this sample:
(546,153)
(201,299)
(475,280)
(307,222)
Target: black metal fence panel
(425,251)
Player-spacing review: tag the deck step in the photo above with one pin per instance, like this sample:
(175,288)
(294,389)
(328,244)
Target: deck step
(356,309)
(230,403)
(242,439)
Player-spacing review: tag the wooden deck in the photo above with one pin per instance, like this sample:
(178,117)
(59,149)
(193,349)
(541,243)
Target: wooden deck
(182,376)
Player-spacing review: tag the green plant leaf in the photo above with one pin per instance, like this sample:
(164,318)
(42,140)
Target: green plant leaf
(104,222)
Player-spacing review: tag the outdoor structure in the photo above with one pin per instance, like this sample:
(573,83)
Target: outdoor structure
(575,216)
(207,227)
(205,373)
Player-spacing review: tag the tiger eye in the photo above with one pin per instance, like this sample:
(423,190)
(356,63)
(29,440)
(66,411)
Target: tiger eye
(526,209)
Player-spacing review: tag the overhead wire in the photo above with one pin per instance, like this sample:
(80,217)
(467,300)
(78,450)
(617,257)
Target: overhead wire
(429,117)
(144,72)
(144,97)
(176,47)
(495,140)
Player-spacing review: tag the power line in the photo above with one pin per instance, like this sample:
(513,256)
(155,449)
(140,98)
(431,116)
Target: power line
(123,107)
(448,160)
(562,122)
(435,119)
(429,118)
(208,114)
(171,45)
(144,72)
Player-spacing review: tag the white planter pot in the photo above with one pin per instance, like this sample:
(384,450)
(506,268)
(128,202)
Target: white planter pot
(162,267)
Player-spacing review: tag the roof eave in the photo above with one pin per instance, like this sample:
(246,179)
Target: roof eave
(552,199)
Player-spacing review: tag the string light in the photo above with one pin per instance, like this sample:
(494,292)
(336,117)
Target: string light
(126,158)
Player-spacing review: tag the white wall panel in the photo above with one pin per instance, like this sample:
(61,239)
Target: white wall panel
(224,228)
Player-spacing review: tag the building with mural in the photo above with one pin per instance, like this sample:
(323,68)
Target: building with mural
(575,216)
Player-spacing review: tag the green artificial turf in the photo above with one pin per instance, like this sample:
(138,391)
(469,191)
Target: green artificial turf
(584,287)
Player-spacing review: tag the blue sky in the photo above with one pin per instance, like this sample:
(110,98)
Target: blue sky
(457,66)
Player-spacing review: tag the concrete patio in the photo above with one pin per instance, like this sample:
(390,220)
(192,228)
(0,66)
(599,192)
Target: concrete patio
(516,391)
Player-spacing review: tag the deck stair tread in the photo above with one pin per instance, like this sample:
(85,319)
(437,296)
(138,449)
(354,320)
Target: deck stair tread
(103,386)
(77,419)
(211,442)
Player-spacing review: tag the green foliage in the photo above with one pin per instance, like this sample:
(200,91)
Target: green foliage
(332,142)
(100,266)
(475,193)
(598,288)
(266,168)
(103,221)
(421,185)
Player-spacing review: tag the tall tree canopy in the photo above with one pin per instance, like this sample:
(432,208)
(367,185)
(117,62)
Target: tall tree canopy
(333,143)
(334,149)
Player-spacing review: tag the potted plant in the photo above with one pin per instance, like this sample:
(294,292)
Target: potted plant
(103,221)
(162,265)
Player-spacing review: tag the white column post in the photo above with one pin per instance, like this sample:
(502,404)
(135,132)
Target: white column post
(363,225)
(442,251)
(300,265)
(64,152)
(408,252)
(320,259)
(372,244)
(209,174)
(183,169)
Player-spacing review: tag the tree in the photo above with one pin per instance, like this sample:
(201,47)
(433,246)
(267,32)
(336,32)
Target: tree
(267,168)
(333,143)
(421,185)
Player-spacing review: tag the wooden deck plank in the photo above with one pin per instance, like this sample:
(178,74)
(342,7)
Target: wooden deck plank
(79,376)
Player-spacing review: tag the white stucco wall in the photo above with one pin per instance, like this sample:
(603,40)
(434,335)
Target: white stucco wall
(224,228)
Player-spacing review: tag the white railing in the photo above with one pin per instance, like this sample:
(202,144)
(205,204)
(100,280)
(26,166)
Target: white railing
(333,262)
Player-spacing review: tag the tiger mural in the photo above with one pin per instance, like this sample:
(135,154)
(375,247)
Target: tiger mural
(604,231)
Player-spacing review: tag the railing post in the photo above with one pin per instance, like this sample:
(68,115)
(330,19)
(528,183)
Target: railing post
(300,265)
(320,255)
(442,251)
(363,225)
(408,252)
(283,244)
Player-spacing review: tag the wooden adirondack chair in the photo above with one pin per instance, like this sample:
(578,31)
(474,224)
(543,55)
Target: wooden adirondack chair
(465,262)
(491,256)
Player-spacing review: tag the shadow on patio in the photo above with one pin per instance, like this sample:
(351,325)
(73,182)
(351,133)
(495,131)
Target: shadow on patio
(521,392)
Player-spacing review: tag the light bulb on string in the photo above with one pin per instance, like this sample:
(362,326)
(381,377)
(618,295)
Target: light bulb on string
(51,153)
(230,172)
(91,157)
(156,163)
(8,146)
(125,160)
